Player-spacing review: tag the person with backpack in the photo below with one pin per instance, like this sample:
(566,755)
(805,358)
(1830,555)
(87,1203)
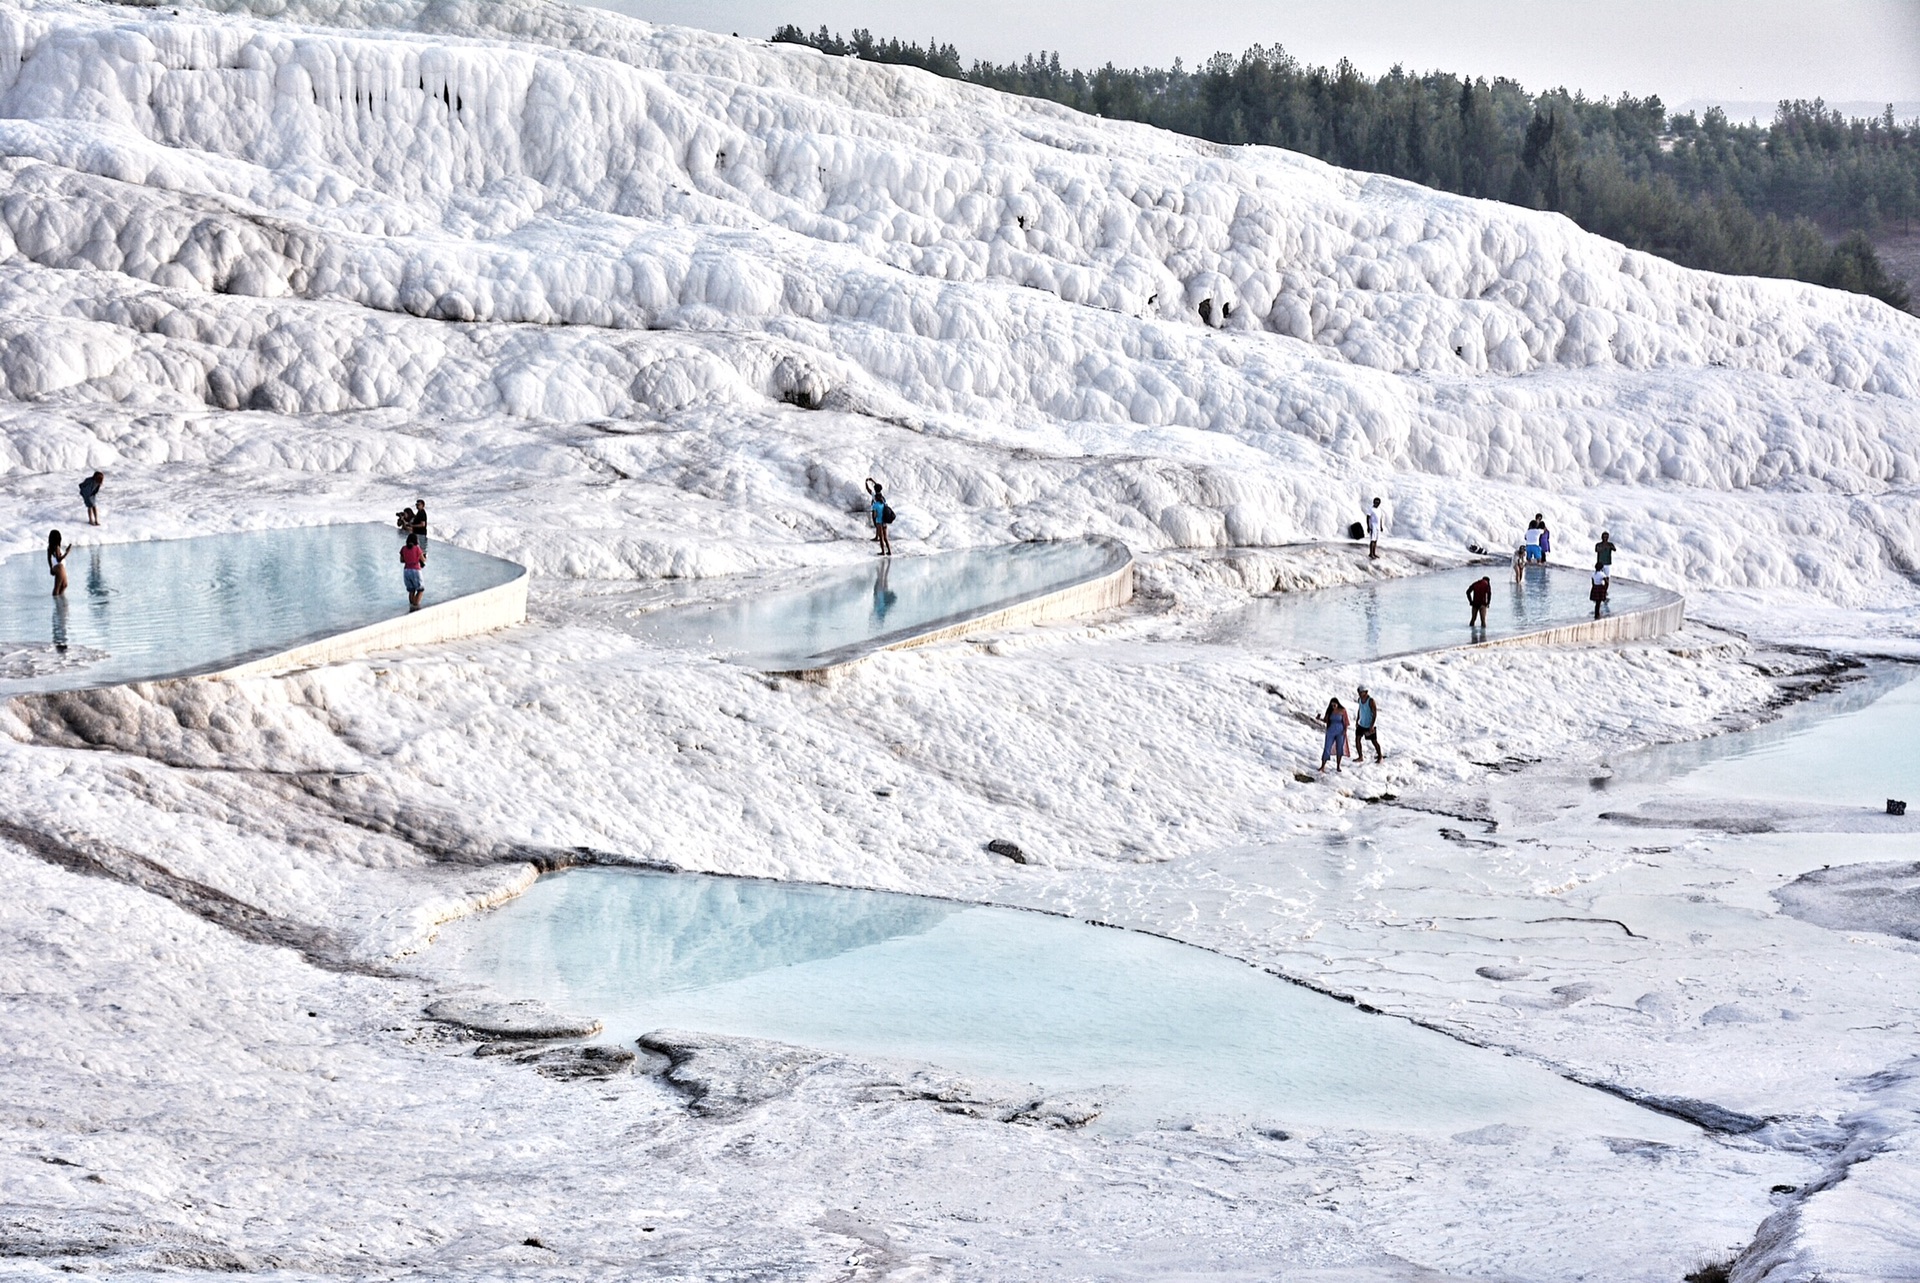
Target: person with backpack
(90,495)
(882,515)
(1479,597)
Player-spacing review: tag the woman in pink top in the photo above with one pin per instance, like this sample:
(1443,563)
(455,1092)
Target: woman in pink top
(413,558)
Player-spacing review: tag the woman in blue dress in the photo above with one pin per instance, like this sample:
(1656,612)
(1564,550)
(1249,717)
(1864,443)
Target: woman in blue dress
(1336,744)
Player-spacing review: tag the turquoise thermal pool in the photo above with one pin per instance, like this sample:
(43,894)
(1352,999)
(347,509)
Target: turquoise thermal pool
(1855,747)
(1421,612)
(175,607)
(1153,1030)
(844,614)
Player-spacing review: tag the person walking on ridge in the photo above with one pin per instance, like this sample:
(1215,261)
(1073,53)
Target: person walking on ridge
(1603,551)
(90,495)
(413,560)
(1479,597)
(1374,521)
(57,562)
(1598,593)
(1335,746)
(1366,722)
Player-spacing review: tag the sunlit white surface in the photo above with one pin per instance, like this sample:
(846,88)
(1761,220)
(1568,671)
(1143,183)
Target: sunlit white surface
(173,607)
(1154,1029)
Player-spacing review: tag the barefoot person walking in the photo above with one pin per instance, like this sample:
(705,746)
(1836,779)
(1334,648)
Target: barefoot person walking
(90,495)
(1335,746)
(413,560)
(882,518)
(57,562)
(1366,726)
(1597,594)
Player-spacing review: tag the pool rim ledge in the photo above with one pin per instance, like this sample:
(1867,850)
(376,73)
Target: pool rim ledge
(469,615)
(1107,588)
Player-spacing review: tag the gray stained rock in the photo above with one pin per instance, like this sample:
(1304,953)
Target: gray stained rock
(524,1021)
(1883,897)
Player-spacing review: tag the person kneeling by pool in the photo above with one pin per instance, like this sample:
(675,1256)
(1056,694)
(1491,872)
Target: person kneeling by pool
(413,559)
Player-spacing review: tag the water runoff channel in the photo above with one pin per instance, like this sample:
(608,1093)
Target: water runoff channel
(1149,1028)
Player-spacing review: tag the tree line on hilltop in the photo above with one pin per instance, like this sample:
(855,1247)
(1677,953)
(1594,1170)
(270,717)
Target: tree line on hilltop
(1800,197)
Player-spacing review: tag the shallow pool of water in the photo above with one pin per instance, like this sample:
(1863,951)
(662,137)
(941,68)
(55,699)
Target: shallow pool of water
(1421,612)
(1155,1030)
(174,607)
(1856,747)
(838,615)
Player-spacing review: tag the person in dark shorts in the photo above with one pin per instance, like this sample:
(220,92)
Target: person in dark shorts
(1479,597)
(882,515)
(90,495)
(1366,726)
(413,562)
(1373,531)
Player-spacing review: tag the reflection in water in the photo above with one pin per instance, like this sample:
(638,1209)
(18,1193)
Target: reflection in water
(172,607)
(1396,616)
(883,597)
(844,612)
(60,624)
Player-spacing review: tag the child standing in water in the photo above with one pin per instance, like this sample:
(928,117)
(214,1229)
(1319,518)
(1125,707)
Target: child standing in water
(57,562)
(413,560)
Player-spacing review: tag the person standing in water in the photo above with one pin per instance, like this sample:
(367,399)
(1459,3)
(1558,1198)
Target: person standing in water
(417,523)
(882,518)
(1546,540)
(413,560)
(1533,538)
(1366,723)
(1335,746)
(1479,597)
(1603,551)
(57,562)
(1602,580)
(1374,521)
(90,495)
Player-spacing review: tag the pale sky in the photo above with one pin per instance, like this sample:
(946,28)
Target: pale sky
(1857,51)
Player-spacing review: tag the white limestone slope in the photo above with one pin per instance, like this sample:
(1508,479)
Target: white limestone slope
(633,223)
(629,302)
